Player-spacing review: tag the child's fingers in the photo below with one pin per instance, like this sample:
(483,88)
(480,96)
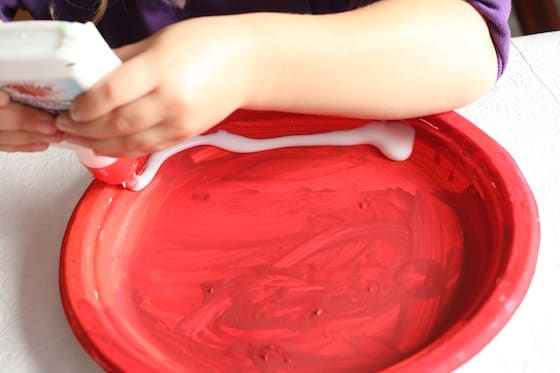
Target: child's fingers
(133,117)
(140,143)
(132,80)
(16,117)
(29,148)
(20,138)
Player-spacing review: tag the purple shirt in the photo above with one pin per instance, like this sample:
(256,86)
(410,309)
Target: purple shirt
(128,21)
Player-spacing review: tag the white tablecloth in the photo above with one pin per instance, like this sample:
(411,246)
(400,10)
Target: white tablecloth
(39,191)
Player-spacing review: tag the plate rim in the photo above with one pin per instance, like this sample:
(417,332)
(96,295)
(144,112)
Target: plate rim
(472,335)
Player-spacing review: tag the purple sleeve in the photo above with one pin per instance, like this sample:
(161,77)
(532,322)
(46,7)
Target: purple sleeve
(8,9)
(496,14)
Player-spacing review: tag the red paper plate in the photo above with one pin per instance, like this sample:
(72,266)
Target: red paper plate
(304,259)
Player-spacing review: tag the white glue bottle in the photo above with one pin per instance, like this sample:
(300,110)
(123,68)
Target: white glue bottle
(46,64)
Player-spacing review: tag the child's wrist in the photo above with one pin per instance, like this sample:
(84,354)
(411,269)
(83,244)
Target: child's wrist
(260,59)
(250,64)
(242,52)
(275,56)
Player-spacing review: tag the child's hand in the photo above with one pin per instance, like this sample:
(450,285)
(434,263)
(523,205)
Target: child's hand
(25,129)
(171,86)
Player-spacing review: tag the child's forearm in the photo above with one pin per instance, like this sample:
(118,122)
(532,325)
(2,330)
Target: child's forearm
(392,59)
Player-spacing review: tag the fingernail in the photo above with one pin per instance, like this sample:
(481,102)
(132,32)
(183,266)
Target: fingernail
(63,124)
(34,147)
(74,114)
(46,128)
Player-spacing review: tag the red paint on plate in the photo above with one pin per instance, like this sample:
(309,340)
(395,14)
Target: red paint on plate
(304,259)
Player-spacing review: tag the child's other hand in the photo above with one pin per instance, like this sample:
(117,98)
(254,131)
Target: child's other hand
(25,129)
(171,86)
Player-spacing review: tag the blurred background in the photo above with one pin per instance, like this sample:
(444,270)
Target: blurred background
(533,16)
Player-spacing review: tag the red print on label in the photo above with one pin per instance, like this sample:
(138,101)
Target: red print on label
(30,89)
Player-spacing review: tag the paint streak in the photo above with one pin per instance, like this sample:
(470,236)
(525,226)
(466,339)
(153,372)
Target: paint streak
(276,269)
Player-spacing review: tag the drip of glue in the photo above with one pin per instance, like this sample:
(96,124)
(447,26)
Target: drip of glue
(395,140)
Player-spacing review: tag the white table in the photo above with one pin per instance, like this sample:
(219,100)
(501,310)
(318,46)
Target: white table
(39,191)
